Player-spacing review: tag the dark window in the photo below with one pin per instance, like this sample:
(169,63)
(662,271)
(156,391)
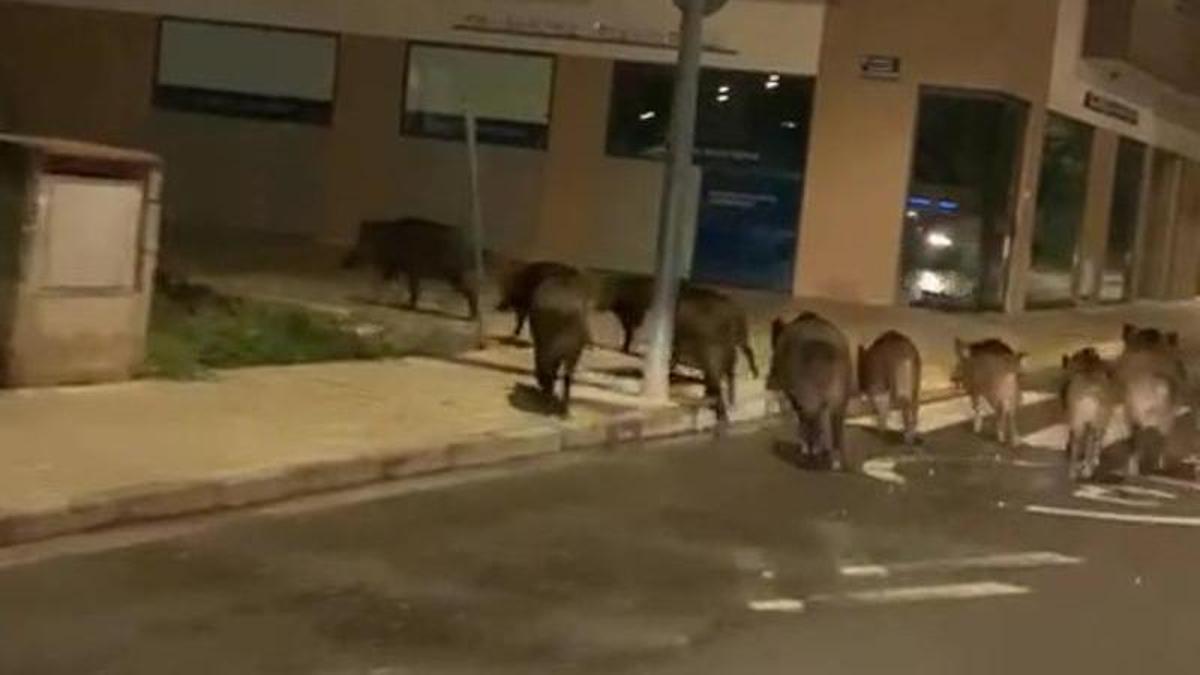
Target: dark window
(749,118)
(509,93)
(246,71)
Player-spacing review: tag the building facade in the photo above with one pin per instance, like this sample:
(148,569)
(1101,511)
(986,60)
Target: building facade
(975,155)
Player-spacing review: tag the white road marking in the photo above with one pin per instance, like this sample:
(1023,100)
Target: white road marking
(998,561)
(1146,492)
(866,571)
(780,605)
(883,469)
(1030,464)
(1136,518)
(904,594)
(1174,482)
(950,412)
(1105,495)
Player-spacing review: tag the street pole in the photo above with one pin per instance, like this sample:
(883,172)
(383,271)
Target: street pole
(476,217)
(680,145)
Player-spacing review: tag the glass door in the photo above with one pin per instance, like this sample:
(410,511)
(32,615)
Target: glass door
(958,217)
(1062,195)
(1126,209)
(746,233)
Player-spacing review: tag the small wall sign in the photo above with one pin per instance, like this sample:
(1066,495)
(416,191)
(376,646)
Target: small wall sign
(1111,108)
(879,67)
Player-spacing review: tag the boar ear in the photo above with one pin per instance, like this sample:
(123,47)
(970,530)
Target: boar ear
(1066,362)
(1173,339)
(776,330)
(1128,331)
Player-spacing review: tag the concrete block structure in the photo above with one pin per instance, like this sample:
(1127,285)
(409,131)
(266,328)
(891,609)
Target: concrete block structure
(78,245)
(974,155)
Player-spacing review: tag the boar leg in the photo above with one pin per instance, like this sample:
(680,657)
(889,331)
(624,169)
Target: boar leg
(881,403)
(748,352)
(911,410)
(838,424)
(825,439)
(414,290)
(1165,429)
(629,326)
(1072,452)
(1010,421)
(568,379)
(1133,466)
(731,376)
(712,391)
(1094,446)
(977,423)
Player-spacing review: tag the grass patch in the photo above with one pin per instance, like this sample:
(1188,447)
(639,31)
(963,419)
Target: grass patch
(194,330)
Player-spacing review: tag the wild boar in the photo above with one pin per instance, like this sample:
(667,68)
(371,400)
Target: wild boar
(419,249)
(810,365)
(519,287)
(1151,379)
(990,371)
(558,320)
(1088,398)
(889,376)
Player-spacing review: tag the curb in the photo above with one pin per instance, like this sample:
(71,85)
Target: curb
(158,501)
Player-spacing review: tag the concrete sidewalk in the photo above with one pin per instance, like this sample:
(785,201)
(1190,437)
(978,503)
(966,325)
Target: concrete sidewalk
(82,458)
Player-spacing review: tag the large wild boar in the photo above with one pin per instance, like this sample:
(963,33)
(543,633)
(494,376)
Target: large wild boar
(810,365)
(710,328)
(889,376)
(1088,398)
(628,297)
(558,319)
(519,287)
(990,371)
(419,249)
(1151,378)
(700,310)
(1186,368)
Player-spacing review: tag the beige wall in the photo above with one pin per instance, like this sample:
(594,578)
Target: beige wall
(1072,77)
(599,210)
(572,201)
(780,35)
(862,133)
(240,173)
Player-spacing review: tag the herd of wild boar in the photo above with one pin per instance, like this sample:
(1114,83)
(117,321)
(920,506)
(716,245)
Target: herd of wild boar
(812,365)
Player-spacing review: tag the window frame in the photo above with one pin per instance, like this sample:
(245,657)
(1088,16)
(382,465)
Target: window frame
(238,105)
(542,145)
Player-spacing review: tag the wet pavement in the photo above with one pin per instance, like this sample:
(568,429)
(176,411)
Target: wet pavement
(693,556)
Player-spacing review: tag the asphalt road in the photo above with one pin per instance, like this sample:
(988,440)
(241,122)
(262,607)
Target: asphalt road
(696,556)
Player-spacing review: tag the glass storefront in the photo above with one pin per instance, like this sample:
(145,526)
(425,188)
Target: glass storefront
(959,214)
(1123,221)
(1062,194)
(751,143)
